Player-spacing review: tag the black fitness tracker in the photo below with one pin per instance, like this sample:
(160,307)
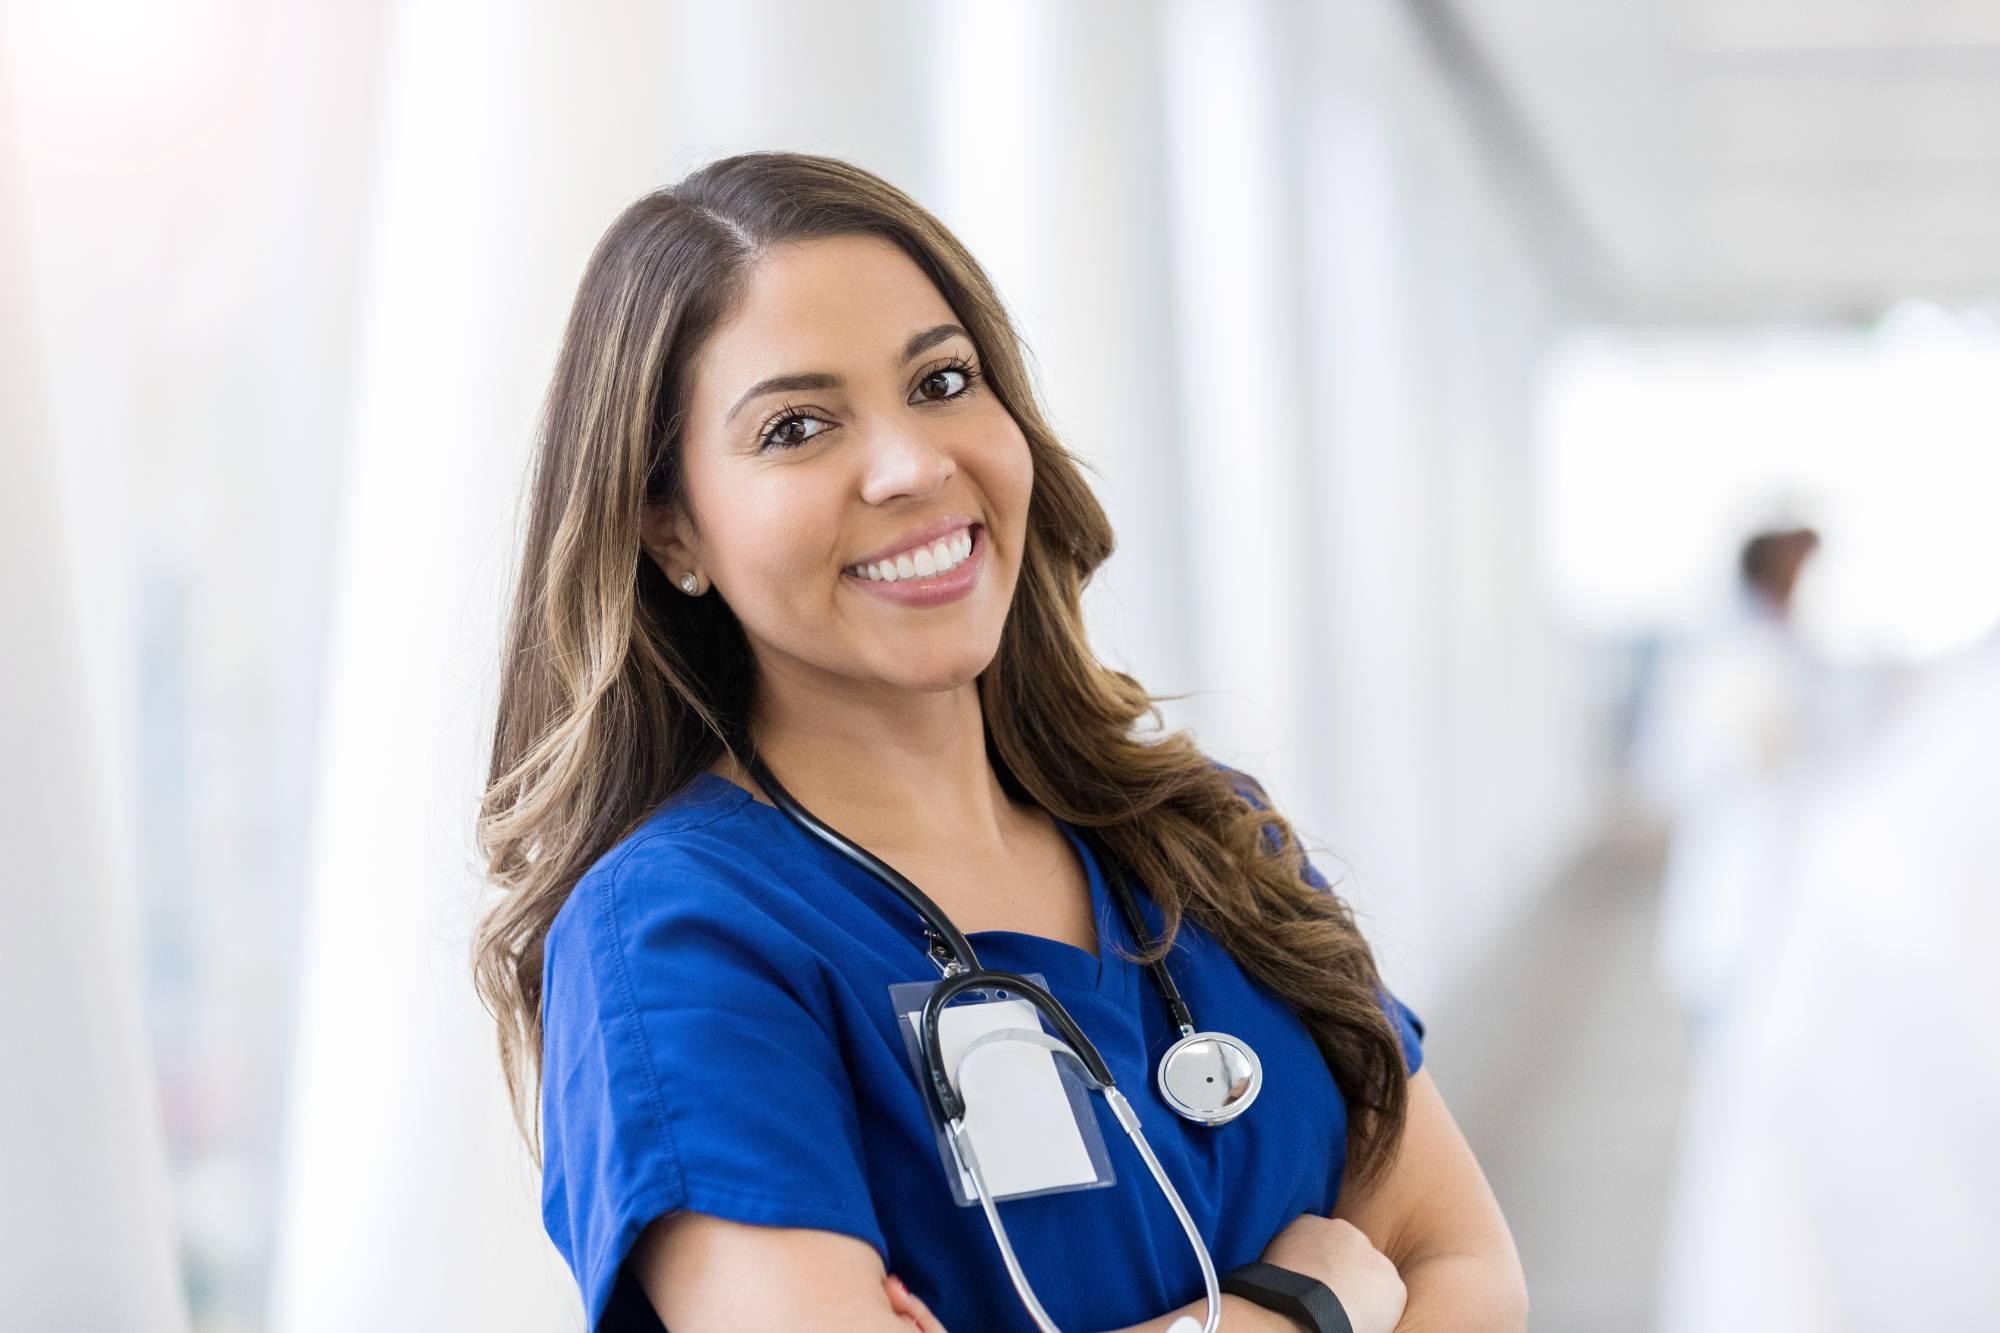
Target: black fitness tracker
(1305,1299)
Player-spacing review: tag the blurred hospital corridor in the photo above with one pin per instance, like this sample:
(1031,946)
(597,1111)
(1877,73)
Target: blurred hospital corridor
(1563,1060)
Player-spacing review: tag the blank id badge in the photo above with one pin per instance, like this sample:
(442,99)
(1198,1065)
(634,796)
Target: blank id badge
(1027,1111)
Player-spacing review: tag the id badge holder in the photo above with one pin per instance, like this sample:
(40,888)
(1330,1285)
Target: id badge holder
(1027,1110)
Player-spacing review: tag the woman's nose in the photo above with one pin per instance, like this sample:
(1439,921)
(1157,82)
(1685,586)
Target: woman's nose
(905,462)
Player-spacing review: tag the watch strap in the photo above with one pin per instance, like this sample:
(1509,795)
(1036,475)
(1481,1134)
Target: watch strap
(1295,1295)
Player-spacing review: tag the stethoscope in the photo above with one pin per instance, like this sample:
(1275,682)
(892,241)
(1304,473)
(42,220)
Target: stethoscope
(1206,1077)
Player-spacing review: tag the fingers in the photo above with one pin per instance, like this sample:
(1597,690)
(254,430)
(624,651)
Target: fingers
(905,1303)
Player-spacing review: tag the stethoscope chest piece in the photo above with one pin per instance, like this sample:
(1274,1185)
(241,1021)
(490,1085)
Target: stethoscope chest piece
(1210,1077)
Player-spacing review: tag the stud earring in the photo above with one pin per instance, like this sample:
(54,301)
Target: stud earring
(689,583)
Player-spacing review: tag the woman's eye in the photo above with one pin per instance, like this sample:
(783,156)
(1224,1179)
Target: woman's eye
(781,434)
(942,375)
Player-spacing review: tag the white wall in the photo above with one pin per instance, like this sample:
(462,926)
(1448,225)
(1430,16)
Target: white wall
(86,1237)
(1448,757)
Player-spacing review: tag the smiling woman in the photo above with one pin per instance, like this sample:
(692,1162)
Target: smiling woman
(796,513)
(899,448)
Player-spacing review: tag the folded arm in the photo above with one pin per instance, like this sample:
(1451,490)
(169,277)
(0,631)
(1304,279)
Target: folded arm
(1433,1214)
(704,1273)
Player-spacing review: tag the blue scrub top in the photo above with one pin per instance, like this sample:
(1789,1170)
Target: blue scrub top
(718,1036)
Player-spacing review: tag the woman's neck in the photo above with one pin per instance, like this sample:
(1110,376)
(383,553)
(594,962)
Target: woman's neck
(912,774)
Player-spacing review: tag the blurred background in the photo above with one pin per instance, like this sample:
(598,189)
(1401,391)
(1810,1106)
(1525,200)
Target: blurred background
(1554,443)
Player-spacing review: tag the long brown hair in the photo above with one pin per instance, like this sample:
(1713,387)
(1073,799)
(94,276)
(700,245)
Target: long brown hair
(615,691)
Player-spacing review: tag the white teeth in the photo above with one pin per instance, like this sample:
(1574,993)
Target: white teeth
(939,557)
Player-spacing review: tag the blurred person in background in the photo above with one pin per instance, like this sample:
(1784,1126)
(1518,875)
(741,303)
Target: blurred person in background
(1723,740)
(696,992)
(1842,1172)
(1725,747)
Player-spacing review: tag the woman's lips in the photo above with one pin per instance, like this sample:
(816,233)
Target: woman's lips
(946,526)
(934,589)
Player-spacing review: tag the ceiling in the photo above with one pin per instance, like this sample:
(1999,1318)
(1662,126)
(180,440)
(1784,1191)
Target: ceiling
(1753,160)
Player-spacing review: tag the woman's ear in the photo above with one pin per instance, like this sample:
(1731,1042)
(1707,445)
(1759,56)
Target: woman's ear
(669,538)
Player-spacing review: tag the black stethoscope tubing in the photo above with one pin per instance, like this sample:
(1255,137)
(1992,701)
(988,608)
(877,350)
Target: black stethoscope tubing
(939,926)
(962,973)
(962,969)
(955,957)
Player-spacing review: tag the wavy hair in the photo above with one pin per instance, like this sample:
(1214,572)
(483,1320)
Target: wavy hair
(615,692)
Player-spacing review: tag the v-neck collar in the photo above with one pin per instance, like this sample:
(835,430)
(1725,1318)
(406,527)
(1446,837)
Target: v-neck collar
(1059,961)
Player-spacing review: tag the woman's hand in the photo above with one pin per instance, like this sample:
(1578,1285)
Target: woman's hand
(905,1303)
(1340,1254)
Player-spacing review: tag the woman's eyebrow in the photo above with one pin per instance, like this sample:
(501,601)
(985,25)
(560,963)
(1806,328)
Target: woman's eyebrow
(917,345)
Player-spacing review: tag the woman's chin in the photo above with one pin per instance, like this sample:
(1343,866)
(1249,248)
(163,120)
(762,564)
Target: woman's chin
(942,682)
(940,675)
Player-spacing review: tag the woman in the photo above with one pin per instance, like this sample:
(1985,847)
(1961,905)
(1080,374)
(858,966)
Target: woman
(786,399)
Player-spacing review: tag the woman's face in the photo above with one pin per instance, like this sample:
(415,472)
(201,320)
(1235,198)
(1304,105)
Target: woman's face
(879,440)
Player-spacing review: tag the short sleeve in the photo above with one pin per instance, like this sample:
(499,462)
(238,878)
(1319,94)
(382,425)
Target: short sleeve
(1409,1031)
(686,1065)
(1252,791)
(1408,1027)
